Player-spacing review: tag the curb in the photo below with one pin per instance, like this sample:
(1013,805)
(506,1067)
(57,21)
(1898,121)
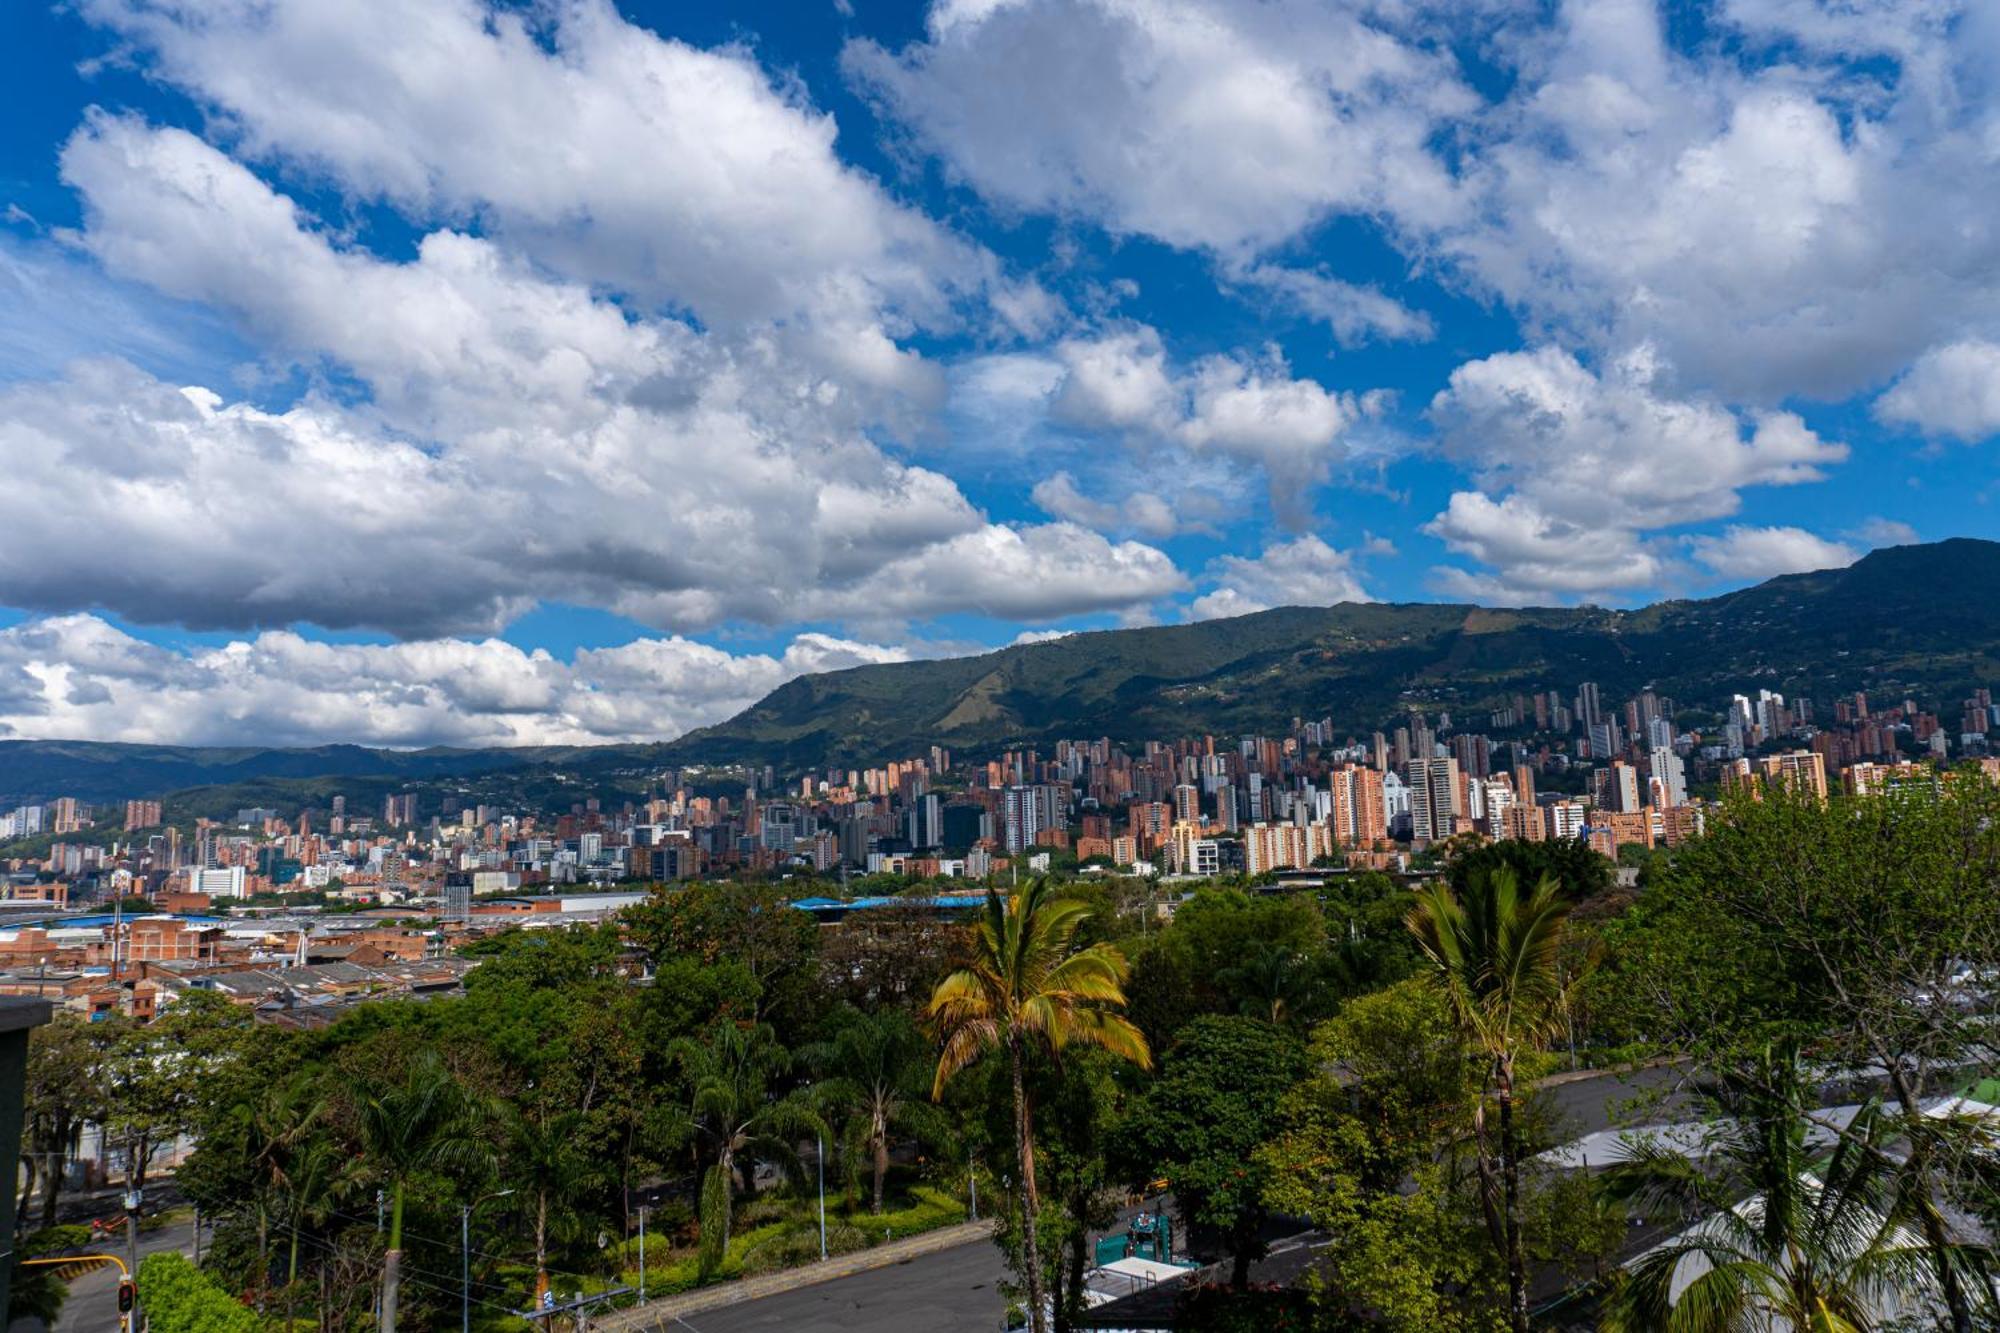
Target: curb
(658,1316)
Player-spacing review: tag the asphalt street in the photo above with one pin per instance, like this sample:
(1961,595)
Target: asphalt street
(92,1306)
(956,1288)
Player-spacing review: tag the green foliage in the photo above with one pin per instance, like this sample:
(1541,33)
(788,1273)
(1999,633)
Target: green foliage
(733,1116)
(544,959)
(1825,923)
(180,1298)
(1791,1237)
(1365,1147)
(38,1291)
(875,1072)
(1230,952)
(748,924)
(1200,1123)
(1031,990)
(62,1088)
(1579,871)
(1495,955)
(1842,928)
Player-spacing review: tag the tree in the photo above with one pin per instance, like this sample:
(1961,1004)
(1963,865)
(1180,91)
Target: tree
(1275,983)
(1581,871)
(1494,957)
(1845,926)
(38,1291)
(1029,988)
(1077,1114)
(752,925)
(890,955)
(1200,1123)
(422,1121)
(546,1163)
(277,1130)
(1366,1147)
(62,1089)
(1778,1235)
(877,1069)
(735,1119)
(154,1072)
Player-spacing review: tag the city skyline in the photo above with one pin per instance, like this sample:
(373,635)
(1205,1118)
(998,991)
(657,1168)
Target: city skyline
(404,376)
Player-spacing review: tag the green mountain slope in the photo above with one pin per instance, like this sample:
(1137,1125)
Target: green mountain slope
(1921,621)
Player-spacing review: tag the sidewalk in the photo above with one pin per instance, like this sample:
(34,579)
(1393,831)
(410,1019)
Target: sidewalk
(658,1316)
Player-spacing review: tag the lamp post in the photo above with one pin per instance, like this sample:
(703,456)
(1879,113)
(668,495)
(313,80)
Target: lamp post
(642,1254)
(133,1198)
(465,1252)
(819,1154)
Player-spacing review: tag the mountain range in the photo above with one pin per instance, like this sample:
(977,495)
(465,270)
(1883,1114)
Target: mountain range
(1921,621)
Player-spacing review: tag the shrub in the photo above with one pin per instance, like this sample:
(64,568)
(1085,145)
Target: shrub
(38,1291)
(180,1298)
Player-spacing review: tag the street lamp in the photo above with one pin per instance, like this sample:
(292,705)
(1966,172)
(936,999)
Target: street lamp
(465,1250)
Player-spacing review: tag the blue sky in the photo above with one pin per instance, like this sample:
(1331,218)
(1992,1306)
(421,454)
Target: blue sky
(459,372)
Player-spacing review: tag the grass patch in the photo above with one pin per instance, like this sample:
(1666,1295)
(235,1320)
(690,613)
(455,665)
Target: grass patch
(776,1232)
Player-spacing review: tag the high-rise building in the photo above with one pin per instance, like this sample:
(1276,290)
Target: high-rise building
(1589,711)
(964,825)
(1669,779)
(142,814)
(923,822)
(219,882)
(1563,820)
(1625,797)
(1435,803)
(1359,817)
(1023,816)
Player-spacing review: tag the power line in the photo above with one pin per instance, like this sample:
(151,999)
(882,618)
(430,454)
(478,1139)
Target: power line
(453,1247)
(414,1276)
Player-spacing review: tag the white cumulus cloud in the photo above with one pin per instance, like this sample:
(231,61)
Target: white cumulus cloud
(1302,572)
(77,677)
(1760,553)
(1951,390)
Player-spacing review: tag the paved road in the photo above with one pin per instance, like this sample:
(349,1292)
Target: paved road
(955,1289)
(1601,1102)
(92,1306)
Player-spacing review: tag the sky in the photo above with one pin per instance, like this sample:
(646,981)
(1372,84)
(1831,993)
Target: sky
(409,372)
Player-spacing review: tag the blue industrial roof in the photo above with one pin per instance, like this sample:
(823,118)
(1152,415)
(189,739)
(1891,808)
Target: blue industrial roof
(860,904)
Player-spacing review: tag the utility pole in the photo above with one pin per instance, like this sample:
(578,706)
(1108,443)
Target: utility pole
(642,1254)
(133,1198)
(819,1155)
(465,1256)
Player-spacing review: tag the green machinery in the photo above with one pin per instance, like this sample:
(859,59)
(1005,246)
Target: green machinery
(1151,1236)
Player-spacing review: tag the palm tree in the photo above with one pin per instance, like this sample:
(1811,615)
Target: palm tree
(321,1175)
(278,1126)
(1494,957)
(1783,1236)
(547,1161)
(876,1074)
(1278,983)
(424,1121)
(735,1118)
(1030,988)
